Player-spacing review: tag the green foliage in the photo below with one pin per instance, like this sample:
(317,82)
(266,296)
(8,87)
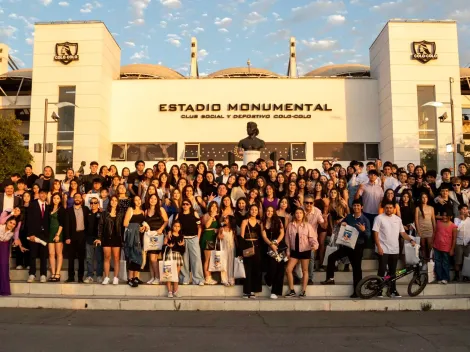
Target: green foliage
(13,155)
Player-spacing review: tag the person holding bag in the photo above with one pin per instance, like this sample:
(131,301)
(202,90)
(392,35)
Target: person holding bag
(174,241)
(362,224)
(227,245)
(251,233)
(208,239)
(273,235)
(301,239)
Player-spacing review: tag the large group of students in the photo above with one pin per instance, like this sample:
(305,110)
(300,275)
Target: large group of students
(269,221)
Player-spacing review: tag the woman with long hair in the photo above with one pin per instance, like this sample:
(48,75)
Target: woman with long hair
(251,233)
(319,191)
(343,189)
(293,196)
(123,199)
(173,205)
(143,186)
(105,180)
(56,187)
(338,209)
(7,231)
(201,168)
(109,237)
(227,236)
(160,169)
(182,182)
(283,212)
(226,207)
(316,175)
(69,176)
(197,203)
(389,197)
(157,220)
(270,199)
(241,209)
(113,171)
(115,182)
(231,183)
(261,185)
(280,185)
(425,221)
(302,189)
(292,177)
(56,239)
(164,189)
(241,190)
(210,186)
(210,225)
(301,239)
(68,197)
(23,257)
(175,175)
(301,173)
(198,185)
(273,236)
(254,199)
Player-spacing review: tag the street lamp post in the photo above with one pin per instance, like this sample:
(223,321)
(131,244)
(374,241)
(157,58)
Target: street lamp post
(438,104)
(55,118)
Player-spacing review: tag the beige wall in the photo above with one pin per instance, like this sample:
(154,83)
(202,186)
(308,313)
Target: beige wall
(398,77)
(92,75)
(136,115)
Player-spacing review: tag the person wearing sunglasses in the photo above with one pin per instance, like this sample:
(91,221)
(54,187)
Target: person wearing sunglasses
(191,231)
(457,195)
(93,252)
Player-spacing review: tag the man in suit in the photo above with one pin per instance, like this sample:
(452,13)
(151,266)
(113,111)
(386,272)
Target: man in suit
(74,235)
(225,175)
(8,201)
(38,226)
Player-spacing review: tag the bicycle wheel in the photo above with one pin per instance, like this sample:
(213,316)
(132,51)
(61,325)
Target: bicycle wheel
(369,287)
(417,284)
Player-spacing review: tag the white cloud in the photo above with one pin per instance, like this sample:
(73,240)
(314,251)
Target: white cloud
(228,40)
(324,44)
(64,3)
(277,17)
(204,15)
(254,18)
(224,22)
(262,5)
(139,7)
(87,8)
(279,34)
(202,53)
(174,39)
(172,4)
(336,19)
(223,30)
(184,25)
(29,41)
(462,15)
(198,30)
(344,51)
(7,31)
(163,24)
(130,44)
(45,2)
(315,9)
(140,55)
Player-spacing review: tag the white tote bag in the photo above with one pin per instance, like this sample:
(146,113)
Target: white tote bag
(238,268)
(411,254)
(218,259)
(123,267)
(167,268)
(466,267)
(153,241)
(331,248)
(347,236)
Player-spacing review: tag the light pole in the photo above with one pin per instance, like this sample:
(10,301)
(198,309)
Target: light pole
(56,118)
(438,104)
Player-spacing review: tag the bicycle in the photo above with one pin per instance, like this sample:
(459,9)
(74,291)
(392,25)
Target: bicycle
(372,285)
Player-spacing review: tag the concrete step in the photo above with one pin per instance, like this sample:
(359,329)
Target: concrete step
(233,304)
(217,291)
(340,276)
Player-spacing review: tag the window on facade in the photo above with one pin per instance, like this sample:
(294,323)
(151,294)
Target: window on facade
(345,151)
(144,151)
(191,151)
(427,124)
(65,130)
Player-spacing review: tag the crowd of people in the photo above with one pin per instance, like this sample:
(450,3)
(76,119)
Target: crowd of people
(273,220)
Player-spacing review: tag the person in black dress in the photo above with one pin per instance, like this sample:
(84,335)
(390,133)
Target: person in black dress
(251,233)
(109,237)
(273,236)
(407,211)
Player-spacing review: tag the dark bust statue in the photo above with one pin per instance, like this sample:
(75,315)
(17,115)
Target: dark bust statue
(252,142)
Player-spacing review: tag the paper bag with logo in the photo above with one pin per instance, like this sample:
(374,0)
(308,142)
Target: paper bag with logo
(153,241)
(123,267)
(167,268)
(347,236)
(466,267)
(411,254)
(218,259)
(238,268)
(330,249)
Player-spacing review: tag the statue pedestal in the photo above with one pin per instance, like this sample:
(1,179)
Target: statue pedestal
(250,156)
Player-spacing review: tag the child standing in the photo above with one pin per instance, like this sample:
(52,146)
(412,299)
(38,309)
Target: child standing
(227,244)
(444,245)
(175,241)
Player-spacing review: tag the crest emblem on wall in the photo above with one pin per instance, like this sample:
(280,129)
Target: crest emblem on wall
(424,51)
(66,52)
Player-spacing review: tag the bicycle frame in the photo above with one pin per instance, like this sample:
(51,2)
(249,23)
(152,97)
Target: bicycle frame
(388,279)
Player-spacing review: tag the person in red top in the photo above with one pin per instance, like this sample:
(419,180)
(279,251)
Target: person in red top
(444,244)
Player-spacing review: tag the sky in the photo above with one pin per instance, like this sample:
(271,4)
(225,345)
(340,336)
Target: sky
(230,32)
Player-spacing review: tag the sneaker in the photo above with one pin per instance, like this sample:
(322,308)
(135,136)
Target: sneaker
(353,296)
(310,282)
(105,281)
(201,283)
(19,267)
(80,280)
(395,295)
(115,281)
(380,295)
(88,280)
(252,296)
(43,278)
(137,280)
(150,281)
(246,296)
(170,294)
(210,281)
(132,283)
(31,278)
(99,279)
(444,282)
(328,282)
(176,294)
(156,281)
(273,296)
(303,294)
(290,294)
(322,269)
(185,283)
(28,267)
(70,279)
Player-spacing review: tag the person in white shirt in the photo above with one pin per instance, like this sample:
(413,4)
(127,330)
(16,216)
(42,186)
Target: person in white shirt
(387,229)
(8,201)
(326,166)
(462,241)
(387,180)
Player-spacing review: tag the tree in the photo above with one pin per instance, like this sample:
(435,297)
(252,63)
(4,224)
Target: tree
(13,155)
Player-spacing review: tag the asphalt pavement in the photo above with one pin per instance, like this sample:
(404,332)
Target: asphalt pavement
(39,330)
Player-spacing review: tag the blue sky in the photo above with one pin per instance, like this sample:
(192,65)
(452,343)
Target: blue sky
(231,31)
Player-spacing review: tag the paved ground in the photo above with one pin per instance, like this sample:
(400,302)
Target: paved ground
(67,331)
